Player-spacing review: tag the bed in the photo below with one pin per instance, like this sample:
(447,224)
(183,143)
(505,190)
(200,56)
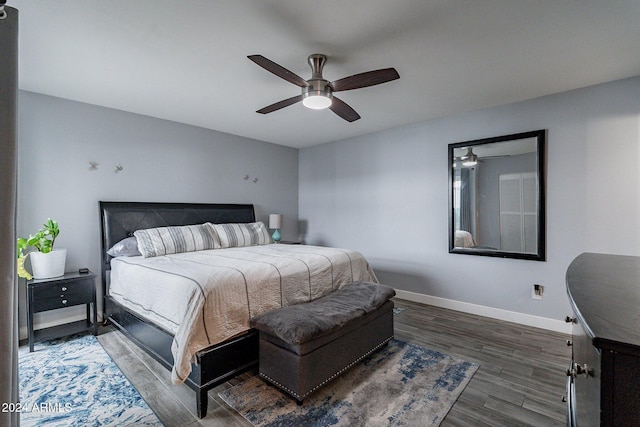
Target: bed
(197,323)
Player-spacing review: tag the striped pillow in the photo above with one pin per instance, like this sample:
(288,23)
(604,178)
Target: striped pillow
(172,240)
(238,235)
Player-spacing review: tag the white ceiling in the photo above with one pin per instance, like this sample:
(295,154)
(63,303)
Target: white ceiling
(186,60)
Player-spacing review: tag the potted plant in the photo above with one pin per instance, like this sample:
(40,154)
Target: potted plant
(45,261)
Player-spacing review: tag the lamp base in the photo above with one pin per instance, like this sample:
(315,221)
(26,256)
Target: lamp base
(276,236)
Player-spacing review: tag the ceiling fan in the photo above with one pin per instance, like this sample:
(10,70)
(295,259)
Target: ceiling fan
(317,93)
(469,158)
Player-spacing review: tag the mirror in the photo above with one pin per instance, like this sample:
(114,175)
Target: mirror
(496,196)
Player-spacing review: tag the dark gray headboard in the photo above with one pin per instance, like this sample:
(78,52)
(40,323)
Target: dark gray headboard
(120,219)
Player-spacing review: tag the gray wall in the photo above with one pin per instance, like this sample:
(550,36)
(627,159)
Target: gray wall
(162,161)
(386,195)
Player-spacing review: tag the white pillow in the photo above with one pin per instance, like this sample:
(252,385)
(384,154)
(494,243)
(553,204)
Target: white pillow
(125,247)
(172,240)
(239,235)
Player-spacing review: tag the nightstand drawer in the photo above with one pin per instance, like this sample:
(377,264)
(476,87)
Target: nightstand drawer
(60,301)
(61,295)
(67,288)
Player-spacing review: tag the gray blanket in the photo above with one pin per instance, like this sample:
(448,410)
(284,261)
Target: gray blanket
(301,323)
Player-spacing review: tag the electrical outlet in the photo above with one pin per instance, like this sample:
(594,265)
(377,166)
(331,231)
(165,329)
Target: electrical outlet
(537,291)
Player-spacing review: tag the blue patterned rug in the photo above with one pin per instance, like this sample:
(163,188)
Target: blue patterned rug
(73,382)
(400,385)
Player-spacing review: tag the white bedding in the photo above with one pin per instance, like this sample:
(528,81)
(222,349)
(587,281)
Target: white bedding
(208,296)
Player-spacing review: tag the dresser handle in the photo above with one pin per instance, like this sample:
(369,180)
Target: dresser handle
(570,319)
(577,369)
(584,369)
(569,343)
(64,301)
(64,288)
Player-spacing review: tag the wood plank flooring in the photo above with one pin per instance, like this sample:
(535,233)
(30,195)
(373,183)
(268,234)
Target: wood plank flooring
(520,381)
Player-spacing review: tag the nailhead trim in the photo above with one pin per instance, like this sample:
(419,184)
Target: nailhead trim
(297,396)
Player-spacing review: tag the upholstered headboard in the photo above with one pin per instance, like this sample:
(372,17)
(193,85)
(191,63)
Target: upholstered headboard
(120,219)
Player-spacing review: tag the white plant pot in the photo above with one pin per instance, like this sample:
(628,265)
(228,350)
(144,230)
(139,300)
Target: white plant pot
(46,266)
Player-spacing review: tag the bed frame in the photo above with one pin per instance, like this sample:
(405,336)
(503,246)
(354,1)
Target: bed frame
(216,364)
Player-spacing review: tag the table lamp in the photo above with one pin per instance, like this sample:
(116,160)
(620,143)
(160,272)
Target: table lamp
(275,222)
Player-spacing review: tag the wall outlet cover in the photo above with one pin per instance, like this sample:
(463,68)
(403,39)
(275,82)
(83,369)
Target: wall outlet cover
(537,291)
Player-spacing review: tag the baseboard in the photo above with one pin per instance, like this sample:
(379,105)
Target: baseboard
(481,310)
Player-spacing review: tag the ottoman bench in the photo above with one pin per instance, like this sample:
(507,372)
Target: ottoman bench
(304,346)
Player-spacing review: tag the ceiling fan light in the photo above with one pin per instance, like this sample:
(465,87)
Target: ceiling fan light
(316,102)
(470,161)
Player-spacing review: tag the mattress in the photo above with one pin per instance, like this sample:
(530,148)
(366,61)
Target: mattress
(209,296)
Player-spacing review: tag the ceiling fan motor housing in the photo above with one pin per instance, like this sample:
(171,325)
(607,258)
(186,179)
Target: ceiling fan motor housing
(318,86)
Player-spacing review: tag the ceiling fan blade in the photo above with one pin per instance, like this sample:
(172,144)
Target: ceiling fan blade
(342,109)
(280,104)
(278,70)
(369,78)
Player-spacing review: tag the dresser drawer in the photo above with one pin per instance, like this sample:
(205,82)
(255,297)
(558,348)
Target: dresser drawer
(62,295)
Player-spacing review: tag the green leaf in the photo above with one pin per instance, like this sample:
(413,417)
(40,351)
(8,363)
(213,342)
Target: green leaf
(33,240)
(21,246)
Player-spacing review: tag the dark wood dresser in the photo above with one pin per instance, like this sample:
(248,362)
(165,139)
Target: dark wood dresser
(603,380)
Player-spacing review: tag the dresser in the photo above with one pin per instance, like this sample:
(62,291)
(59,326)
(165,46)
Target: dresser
(68,290)
(603,377)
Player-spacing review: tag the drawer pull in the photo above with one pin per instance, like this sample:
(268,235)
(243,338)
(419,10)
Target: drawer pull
(64,301)
(569,343)
(64,288)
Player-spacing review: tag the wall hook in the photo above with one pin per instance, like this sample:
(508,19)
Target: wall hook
(246,177)
(93,166)
(255,180)
(118,168)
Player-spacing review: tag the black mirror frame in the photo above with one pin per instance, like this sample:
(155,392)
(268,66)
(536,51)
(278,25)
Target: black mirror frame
(541,137)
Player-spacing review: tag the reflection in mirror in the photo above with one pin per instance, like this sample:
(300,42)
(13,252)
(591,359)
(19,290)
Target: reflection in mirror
(496,203)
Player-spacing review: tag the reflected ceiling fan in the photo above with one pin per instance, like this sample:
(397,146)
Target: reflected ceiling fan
(317,93)
(469,158)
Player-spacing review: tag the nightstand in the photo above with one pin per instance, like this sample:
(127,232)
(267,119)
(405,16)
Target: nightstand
(68,290)
(289,242)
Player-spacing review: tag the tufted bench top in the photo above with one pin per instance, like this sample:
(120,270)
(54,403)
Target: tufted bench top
(301,323)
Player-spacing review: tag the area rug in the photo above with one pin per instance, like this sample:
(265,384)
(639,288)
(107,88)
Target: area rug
(400,385)
(74,382)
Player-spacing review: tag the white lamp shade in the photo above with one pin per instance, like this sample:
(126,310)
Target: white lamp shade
(275,221)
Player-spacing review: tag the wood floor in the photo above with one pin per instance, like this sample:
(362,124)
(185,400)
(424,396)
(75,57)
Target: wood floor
(520,381)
